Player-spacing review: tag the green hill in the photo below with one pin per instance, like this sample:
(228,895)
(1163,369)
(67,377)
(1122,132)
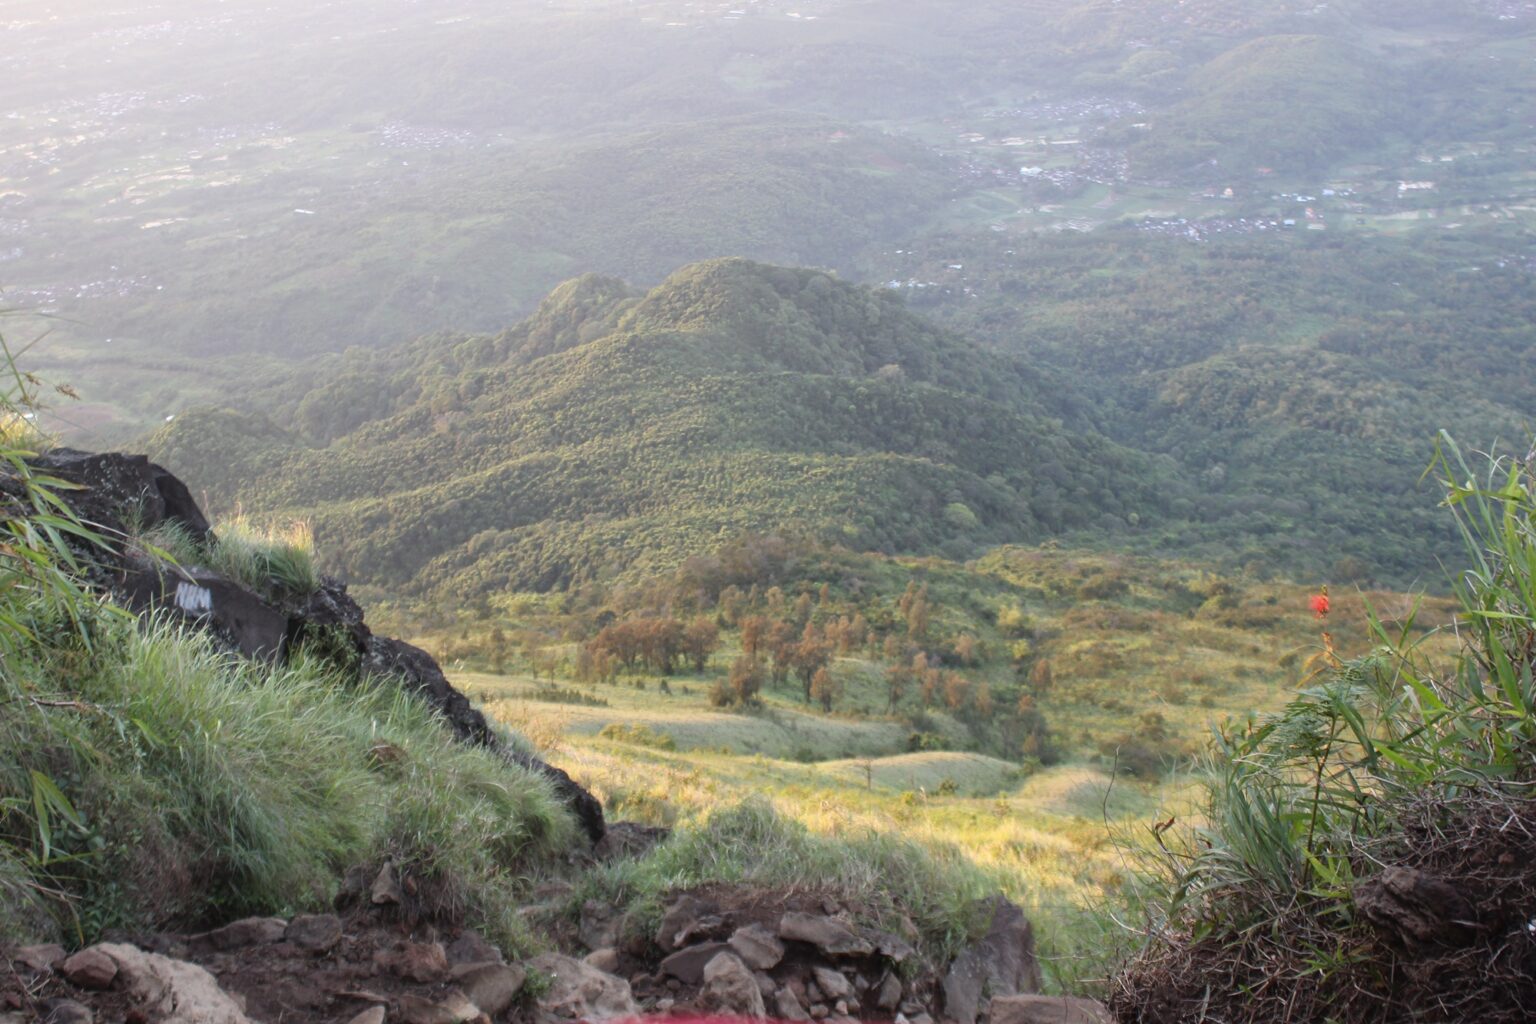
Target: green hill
(615,432)
(1290,103)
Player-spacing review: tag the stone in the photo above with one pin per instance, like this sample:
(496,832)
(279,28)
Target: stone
(470,948)
(39,959)
(922,1018)
(687,965)
(819,1011)
(600,925)
(372,1015)
(765,985)
(892,947)
(414,1009)
(171,991)
(788,1007)
(840,1008)
(67,1011)
(90,968)
(605,960)
(414,961)
(1001,963)
(832,983)
(828,934)
(250,931)
(578,991)
(687,919)
(492,987)
(386,890)
(888,995)
(1036,1009)
(314,933)
(758,947)
(729,988)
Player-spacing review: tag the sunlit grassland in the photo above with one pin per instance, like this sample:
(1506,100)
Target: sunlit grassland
(1047,839)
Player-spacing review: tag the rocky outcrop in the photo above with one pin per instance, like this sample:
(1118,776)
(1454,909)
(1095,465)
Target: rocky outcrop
(111,491)
(1002,963)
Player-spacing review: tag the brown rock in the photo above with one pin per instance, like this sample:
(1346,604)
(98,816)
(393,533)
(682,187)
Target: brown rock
(416,1010)
(40,959)
(758,947)
(605,960)
(251,931)
(314,933)
(578,991)
(688,920)
(90,968)
(828,934)
(600,925)
(888,995)
(832,983)
(819,1011)
(171,991)
(788,1007)
(414,961)
(386,886)
(493,987)
(470,948)
(1030,1009)
(687,965)
(372,1015)
(730,988)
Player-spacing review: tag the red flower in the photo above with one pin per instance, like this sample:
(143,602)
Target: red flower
(1320,605)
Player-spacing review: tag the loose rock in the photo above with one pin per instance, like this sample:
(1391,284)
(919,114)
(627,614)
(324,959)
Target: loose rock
(832,983)
(40,958)
(758,947)
(171,991)
(492,987)
(687,965)
(828,934)
(580,991)
(252,931)
(414,961)
(372,1015)
(788,1007)
(605,960)
(470,948)
(314,933)
(386,886)
(600,925)
(730,988)
(90,968)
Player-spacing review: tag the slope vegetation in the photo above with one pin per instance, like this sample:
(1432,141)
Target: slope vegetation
(616,432)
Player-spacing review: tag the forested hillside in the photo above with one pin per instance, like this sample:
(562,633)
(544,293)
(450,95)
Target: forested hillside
(618,433)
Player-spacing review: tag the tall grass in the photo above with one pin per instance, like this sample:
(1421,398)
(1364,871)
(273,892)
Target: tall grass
(271,559)
(202,786)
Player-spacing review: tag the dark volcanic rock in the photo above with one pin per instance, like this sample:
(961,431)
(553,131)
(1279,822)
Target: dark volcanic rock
(113,484)
(242,619)
(113,488)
